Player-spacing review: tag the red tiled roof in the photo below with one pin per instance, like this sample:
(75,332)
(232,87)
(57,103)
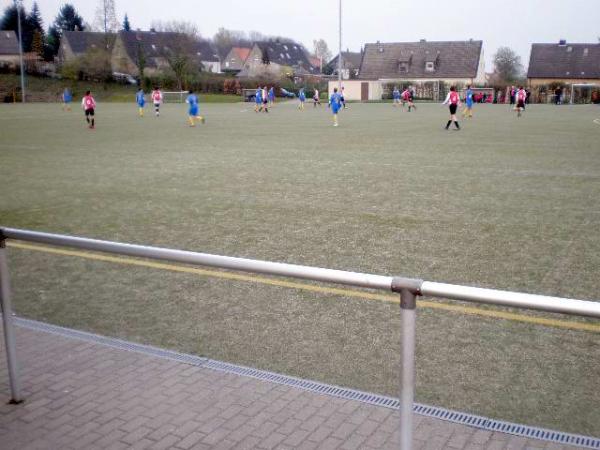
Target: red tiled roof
(242,52)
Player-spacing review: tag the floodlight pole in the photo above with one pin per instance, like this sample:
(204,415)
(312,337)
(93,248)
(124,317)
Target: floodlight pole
(340,54)
(17,5)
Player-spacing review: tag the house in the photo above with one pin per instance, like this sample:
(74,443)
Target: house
(276,59)
(9,49)
(153,48)
(562,64)
(430,67)
(76,43)
(235,59)
(350,64)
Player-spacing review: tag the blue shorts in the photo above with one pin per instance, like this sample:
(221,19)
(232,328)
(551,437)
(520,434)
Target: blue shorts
(193,111)
(469,103)
(141,104)
(335,108)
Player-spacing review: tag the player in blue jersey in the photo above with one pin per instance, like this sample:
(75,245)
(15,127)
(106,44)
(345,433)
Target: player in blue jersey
(67,98)
(193,112)
(468,111)
(141,101)
(302,98)
(271,96)
(258,100)
(396,96)
(335,103)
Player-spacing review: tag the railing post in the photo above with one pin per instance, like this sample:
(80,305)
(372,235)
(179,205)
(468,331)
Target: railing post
(408,304)
(7,325)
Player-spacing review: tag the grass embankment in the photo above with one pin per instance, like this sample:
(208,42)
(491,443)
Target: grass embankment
(43,89)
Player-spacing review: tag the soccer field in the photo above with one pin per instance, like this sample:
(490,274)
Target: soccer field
(504,203)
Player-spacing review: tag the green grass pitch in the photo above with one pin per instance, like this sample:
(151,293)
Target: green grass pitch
(505,203)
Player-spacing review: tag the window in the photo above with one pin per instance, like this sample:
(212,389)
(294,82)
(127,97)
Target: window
(226,63)
(285,47)
(429,66)
(585,51)
(403,67)
(569,49)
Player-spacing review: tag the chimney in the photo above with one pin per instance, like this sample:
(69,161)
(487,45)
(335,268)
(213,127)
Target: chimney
(562,42)
(423,40)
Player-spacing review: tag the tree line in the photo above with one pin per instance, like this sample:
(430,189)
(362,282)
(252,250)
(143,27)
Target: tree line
(46,43)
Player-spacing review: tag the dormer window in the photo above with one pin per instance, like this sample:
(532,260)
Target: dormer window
(429,66)
(585,51)
(403,67)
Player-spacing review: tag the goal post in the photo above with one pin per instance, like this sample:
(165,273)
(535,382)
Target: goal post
(174,96)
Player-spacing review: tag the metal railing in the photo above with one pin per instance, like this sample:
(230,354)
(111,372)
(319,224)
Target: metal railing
(407,288)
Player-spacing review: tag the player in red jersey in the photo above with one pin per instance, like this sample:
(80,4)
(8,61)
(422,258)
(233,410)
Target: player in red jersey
(452,99)
(407,98)
(521,96)
(157,98)
(89,105)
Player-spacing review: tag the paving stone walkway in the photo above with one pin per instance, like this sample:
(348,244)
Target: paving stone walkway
(82,395)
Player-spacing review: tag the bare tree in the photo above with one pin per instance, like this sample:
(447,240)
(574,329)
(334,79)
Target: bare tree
(507,65)
(106,17)
(177,26)
(321,50)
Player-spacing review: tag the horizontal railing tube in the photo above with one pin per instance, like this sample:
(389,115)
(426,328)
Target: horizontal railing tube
(512,299)
(204,259)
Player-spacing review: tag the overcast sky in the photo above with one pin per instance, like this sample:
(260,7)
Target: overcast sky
(515,23)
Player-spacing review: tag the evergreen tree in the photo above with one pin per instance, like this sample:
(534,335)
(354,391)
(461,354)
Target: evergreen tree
(66,20)
(126,24)
(34,19)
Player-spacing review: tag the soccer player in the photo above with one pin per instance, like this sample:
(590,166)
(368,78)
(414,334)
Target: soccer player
(316,99)
(89,105)
(141,101)
(302,98)
(452,99)
(157,99)
(520,96)
(468,103)
(335,102)
(271,96)
(396,96)
(193,111)
(407,98)
(258,100)
(67,98)
(265,99)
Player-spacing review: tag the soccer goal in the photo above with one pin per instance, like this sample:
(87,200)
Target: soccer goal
(174,96)
(584,93)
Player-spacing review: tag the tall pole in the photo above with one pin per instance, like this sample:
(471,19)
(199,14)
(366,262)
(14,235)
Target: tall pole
(340,54)
(18,6)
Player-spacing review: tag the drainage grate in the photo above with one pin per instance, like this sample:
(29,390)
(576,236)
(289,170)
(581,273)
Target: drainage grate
(475,421)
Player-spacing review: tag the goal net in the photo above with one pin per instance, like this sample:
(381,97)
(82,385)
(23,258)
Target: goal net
(584,93)
(174,96)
